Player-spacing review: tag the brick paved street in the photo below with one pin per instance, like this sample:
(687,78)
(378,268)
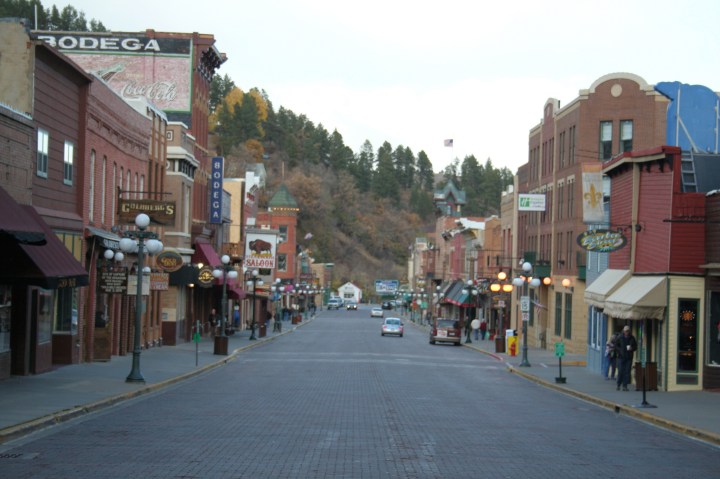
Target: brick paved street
(334,399)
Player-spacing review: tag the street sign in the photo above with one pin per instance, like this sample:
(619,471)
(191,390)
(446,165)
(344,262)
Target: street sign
(525,316)
(559,349)
(524,303)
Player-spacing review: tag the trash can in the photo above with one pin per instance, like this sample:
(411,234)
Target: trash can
(499,344)
(509,333)
(640,373)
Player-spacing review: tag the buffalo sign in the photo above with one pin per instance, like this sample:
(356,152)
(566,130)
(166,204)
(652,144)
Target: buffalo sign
(260,250)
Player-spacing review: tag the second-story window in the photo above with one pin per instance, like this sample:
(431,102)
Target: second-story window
(605,140)
(69,159)
(626,135)
(43,142)
(283,234)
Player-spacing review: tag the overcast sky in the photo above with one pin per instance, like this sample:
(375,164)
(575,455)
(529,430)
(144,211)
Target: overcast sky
(416,73)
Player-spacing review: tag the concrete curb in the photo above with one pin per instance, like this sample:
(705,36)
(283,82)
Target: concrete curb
(19,430)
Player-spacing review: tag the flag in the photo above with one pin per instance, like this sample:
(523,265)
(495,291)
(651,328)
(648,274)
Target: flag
(308,236)
(592,199)
(448,143)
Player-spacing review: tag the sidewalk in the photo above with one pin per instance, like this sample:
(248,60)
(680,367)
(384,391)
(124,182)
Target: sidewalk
(30,403)
(691,413)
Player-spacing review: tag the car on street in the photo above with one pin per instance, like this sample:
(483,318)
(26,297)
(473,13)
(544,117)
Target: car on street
(392,326)
(334,303)
(351,305)
(377,313)
(386,305)
(445,330)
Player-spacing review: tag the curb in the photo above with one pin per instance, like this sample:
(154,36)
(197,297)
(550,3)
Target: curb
(19,430)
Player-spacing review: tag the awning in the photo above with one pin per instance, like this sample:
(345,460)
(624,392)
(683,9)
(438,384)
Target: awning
(49,266)
(236,293)
(205,254)
(104,238)
(451,291)
(605,285)
(14,222)
(641,297)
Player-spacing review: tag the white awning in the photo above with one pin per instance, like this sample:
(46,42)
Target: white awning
(605,285)
(640,297)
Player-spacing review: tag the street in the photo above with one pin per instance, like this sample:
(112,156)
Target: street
(334,399)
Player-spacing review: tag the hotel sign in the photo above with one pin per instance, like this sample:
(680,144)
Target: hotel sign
(601,240)
(531,202)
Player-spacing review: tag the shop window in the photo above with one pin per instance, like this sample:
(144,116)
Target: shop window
(66,311)
(5,310)
(713,333)
(558,314)
(43,312)
(687,336)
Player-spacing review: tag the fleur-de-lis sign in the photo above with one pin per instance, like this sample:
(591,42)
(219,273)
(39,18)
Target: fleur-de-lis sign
(593,196)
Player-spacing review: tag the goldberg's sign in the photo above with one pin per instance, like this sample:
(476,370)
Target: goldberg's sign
(160,212)
(216,190)
(601,241)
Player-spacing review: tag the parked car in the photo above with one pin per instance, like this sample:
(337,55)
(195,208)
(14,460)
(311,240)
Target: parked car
(445,330)
(392,326)
(377,313)
(351,305)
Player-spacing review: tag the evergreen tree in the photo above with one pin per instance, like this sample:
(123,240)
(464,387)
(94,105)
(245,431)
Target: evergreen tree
(425,174)
(385,183)
(219,89)
(363,170)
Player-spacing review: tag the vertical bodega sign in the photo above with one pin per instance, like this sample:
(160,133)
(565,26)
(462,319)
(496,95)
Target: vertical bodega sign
(216,189)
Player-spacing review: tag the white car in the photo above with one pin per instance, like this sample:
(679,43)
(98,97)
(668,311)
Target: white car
(377,313)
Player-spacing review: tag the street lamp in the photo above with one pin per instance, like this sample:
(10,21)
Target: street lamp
(505,287)
(253,282)
(524,281)
(277,290)
(139,240)
(472,291)
(224,271)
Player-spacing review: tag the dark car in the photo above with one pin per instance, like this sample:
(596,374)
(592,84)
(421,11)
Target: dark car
(445,330)
(351,305)
(386,305)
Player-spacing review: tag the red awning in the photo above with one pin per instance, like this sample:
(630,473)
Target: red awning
(205,254)
(236,293)
(50,265)
(16,223)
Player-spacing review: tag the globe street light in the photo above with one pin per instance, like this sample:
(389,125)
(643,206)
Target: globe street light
(224,271)
(139,240)
(524,281)
(501,285)
(253,282)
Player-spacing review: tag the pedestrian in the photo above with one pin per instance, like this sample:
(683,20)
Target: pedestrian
(626,347)
(213,321)
(236,317)
(483,329)
(610,358)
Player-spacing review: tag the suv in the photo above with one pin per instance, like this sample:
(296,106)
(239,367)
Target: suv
(334,303)
(445,330)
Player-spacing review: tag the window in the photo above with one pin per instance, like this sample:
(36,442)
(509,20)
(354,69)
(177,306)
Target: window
(687,361)
(558,314)
(605,140)
(69,158)
(561,150)
(570,199)
(66,312)
(283,233)
(5,307)
(561,200)
(282,262)
(626,135)
(571,149)
(43,142)
(91,192)
(568,316)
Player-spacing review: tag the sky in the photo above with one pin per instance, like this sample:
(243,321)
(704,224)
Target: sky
(416,73)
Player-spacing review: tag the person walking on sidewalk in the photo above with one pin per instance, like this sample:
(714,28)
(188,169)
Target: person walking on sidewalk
(483,329)
(610,358)
(626,346)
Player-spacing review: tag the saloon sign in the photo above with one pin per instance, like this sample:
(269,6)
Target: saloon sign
(260,250)
(601,241)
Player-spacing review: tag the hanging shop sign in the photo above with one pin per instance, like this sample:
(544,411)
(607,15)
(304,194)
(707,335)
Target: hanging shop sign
(169,261)
(205,277)
(160,212)
(601,240)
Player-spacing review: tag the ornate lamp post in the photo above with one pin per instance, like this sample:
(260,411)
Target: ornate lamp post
(277,290)
(139,240)
(472,291)
(505,287)
(224,271)
(253,282)
(524,281)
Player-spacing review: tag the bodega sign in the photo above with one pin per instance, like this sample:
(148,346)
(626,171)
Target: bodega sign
(216,189)
(601,241)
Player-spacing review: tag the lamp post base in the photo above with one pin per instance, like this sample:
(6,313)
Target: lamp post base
(221,345)
(499,344)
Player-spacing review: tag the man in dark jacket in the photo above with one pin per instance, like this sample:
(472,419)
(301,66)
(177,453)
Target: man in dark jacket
(626,347)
